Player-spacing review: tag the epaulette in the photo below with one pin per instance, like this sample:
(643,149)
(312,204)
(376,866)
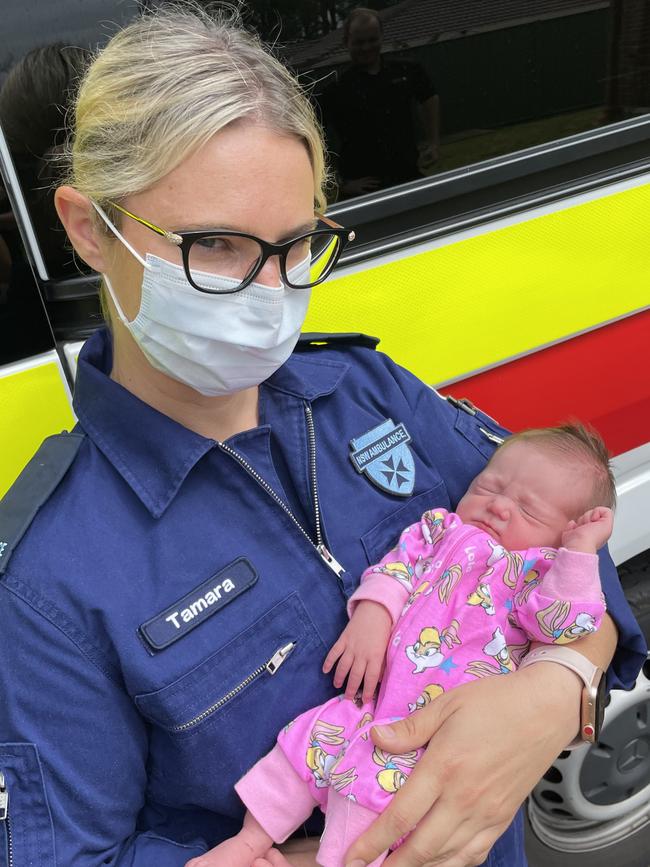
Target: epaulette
(310,339)
(33,487)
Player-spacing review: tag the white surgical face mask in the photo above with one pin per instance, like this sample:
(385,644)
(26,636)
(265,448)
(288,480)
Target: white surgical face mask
(216,344)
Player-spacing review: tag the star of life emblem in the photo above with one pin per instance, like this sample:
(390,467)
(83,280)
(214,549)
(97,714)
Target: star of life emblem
(383,455)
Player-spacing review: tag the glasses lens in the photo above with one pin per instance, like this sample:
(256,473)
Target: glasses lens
(222,256)
(322,250)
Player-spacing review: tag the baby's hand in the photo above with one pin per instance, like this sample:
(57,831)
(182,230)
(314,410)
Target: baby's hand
(361,649)
(590,531)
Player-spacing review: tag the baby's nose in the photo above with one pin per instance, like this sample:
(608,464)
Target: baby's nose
(501,507)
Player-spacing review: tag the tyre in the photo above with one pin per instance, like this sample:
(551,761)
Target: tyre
(592,807)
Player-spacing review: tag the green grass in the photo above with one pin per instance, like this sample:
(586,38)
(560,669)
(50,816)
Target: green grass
(484,145)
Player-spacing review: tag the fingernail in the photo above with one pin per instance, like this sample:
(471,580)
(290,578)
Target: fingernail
(385,733)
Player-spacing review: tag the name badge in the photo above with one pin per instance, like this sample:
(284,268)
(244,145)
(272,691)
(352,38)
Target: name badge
(195,607)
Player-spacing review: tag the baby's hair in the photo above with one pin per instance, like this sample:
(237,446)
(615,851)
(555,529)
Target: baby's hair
(577,441)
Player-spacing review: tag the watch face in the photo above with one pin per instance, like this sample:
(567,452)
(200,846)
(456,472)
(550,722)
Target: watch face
(601,700)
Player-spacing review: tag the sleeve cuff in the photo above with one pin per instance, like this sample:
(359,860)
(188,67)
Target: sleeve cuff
(574,575)
(258,790)
(383,589)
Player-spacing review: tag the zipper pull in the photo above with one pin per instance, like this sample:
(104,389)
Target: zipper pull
(331,561)
(278,657)
(4,799)
(494,438)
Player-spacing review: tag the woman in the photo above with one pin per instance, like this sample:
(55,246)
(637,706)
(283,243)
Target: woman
(168,591)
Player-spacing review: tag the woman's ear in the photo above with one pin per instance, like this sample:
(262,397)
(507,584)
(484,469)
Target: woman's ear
(77,215)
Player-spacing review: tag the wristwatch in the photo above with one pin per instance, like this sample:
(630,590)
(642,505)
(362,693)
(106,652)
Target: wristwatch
(592,708)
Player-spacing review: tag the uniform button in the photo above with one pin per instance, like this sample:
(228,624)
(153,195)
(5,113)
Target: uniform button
(397,639)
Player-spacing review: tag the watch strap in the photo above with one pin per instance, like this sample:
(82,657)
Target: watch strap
(591,676)
(585,669)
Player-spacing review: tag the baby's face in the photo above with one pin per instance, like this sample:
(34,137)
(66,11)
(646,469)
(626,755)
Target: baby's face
(526,496)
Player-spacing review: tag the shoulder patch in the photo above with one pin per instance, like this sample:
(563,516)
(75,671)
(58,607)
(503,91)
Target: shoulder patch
(33,487)
(314,339)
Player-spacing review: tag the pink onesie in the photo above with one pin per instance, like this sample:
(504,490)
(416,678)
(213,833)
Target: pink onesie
(462,607)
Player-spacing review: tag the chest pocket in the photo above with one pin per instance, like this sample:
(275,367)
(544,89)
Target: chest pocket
(384,535)
(481,431)
(26,833)
(211,725)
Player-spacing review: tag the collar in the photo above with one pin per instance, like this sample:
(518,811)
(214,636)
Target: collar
(152,452)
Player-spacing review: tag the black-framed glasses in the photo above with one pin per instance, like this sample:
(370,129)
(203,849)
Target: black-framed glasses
(305,261)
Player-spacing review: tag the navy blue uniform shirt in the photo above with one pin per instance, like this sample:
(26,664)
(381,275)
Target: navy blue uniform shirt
(167,609)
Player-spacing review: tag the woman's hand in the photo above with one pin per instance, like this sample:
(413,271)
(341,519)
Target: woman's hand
(489,743)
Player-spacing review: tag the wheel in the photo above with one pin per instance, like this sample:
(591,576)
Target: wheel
(592,807)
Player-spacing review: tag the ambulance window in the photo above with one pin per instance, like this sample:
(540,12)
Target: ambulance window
(43,52)
(24,330)
(415,89)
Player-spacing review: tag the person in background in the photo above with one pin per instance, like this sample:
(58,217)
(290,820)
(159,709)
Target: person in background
(374,113)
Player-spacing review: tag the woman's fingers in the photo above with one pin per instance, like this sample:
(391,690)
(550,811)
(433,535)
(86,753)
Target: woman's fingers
(405,811)
(489,742)
(445,845)
(413,731)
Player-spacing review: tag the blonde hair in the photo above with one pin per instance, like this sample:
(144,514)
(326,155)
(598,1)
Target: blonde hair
(163,86)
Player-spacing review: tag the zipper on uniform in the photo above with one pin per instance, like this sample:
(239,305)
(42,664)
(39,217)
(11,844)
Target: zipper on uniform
(4,817)
(319,545)
(329,558)
(270,667)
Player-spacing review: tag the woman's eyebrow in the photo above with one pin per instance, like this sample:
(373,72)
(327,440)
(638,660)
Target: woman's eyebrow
(228,227)
(300,230)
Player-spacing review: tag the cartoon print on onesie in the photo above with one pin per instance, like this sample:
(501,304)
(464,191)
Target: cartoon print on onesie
(514,563)
(531,580)
(552,618)
(392,776)
(507,656)
(447,582)
(321,763)
(426,697)
(426,651)
(365,719)
(482,596)
(422,590)
(432,529)
(400,572)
